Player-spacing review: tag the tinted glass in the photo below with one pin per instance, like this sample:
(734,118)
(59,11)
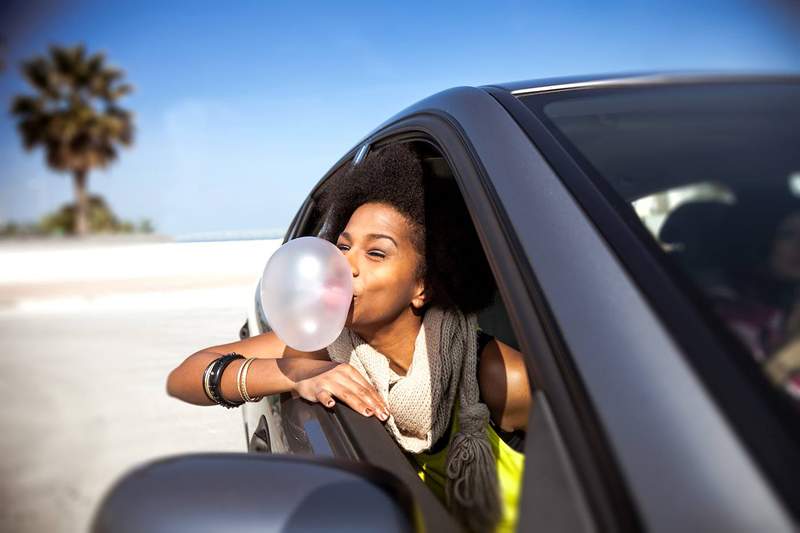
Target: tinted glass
(713,173)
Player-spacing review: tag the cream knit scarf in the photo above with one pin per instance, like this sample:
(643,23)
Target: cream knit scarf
(443,371)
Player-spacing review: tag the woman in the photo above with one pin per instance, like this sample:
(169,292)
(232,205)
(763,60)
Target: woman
(410,354)
(761,303)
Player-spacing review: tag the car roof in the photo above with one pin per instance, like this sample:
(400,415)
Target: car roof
(636,78)
(567,83)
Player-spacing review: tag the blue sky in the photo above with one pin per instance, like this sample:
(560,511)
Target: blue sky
(240,107)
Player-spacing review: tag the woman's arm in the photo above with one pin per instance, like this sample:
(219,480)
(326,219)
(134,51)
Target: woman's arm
(278,368)
(266,345)
(186,381)
(504,385)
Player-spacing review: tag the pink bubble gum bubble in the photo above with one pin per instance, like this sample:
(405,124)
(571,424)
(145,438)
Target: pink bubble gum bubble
(306,291)
(332,296)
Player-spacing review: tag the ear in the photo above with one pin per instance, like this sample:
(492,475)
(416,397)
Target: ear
(420,297)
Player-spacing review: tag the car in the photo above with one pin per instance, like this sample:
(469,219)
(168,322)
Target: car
(649,412)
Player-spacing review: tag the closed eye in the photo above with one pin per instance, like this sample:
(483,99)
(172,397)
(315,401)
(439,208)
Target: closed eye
(371,253)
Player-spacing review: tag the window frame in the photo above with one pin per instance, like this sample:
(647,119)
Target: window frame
(563,500)
(583,486)
(350,435)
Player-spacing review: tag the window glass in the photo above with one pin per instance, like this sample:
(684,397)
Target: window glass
(713,172)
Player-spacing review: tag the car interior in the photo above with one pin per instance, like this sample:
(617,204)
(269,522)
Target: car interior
(653,142)
(493,319)
(709,240)
(710,161)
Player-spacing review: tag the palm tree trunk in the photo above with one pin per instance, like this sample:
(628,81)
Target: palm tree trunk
(81,203)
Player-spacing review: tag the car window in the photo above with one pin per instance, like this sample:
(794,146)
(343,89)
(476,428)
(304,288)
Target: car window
(440,189)
(713,172)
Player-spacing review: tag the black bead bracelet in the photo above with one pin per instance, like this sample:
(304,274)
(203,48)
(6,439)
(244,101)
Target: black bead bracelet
(215,379)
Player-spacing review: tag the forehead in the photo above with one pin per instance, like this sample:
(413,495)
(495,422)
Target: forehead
(378,218)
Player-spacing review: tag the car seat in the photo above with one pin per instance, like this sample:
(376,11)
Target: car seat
(696,235)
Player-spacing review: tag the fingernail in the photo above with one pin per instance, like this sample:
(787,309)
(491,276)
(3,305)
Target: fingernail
(383,415)
(368,411)
(330,403)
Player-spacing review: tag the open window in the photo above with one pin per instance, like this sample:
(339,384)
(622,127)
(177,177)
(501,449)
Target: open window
(441,186)
(549,480)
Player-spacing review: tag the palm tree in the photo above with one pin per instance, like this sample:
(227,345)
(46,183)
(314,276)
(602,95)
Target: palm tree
(74,116)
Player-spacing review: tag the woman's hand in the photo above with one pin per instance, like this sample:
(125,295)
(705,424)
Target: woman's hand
(345,383)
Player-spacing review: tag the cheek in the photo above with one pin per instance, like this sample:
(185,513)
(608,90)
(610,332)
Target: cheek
(385,292)
(383,286)
(785,260)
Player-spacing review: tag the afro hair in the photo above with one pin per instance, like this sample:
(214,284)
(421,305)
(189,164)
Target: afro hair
(452,262)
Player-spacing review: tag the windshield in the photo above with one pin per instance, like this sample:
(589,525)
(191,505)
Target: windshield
(713,172)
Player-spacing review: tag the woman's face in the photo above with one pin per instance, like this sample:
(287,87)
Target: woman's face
(377,243)
(785,258)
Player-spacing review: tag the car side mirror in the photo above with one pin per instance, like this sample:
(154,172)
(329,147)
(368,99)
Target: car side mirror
(247,492)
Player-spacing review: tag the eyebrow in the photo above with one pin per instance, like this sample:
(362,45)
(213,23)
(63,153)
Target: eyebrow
(370,236)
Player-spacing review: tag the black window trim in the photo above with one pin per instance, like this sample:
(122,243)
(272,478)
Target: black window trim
(758,416)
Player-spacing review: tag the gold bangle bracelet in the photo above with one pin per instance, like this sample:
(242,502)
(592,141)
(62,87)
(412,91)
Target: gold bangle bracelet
(239,380)
(244,381)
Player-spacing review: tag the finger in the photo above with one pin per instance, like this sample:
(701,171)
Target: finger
(365,395)
(324,397)
(377,400)
(353,400)
(370,388)
(353,374)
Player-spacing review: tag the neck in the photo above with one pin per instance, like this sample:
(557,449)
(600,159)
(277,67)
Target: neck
(396,340)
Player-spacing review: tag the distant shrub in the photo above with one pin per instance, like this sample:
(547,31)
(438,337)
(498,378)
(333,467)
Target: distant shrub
(62,222)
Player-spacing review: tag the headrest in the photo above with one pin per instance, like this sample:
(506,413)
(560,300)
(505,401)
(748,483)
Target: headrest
(693,221)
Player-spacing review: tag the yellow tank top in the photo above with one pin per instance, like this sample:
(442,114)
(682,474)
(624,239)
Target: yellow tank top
(510,463)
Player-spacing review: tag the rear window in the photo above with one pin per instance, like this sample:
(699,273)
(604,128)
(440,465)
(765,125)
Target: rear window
(713,173)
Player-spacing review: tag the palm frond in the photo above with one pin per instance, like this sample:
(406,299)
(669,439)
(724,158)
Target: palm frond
(74,114)
(39,73)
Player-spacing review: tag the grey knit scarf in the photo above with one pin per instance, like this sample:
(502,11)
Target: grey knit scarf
(443,370)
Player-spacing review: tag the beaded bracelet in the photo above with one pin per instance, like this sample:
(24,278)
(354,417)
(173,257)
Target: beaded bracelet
(215,379)
(206,383)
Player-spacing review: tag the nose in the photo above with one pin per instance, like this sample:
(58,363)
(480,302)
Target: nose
(351,258)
